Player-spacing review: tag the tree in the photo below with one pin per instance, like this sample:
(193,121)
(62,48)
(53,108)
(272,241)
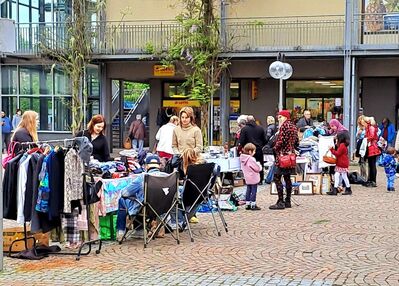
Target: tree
(72,50)
(195,50)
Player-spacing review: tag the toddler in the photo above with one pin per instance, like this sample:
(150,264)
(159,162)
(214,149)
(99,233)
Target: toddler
(251,169)
(389,163)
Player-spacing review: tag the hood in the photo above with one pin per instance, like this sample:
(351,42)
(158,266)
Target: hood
(244,159)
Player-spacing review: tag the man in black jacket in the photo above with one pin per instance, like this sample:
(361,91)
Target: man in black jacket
(255,134)
(305,122)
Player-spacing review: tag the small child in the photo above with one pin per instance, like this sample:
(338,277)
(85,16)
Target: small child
(251,168)
(389,163)
(342,164)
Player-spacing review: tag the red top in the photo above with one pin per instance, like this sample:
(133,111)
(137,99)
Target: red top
(342,156)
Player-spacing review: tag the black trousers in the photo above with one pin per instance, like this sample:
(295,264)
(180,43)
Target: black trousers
(259,157)
(279,185)
(372,161)
(6,141)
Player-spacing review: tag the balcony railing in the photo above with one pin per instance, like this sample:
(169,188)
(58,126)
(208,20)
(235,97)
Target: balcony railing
(313,33)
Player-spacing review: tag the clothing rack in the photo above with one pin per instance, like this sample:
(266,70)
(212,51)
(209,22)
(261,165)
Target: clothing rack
(67,143)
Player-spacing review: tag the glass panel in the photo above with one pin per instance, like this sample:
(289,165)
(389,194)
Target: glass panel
(9,78)
(24,14)
(47,11)
(314,87)
(175,90)
(35,80)
(4,9)
(43,106)
(35,15)
(62,114)
(13,11)
(296,106)
(93,108)
(315,106)
(93,84)
(9,105)
(24,2)
(62,83)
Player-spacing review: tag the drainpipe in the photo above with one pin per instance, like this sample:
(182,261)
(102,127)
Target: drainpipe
(225,80)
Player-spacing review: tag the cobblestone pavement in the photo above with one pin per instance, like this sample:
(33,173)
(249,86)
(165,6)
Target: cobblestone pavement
(343,240)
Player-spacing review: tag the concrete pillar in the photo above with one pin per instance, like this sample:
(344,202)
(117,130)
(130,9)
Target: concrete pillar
(224,106)
(155,104)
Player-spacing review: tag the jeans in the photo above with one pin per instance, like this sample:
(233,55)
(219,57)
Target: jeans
(390,181)
(251,193)
(138,144)
(125,206)
(6,139)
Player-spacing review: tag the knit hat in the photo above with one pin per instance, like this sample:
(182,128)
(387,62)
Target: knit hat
(285,113)
(153,161)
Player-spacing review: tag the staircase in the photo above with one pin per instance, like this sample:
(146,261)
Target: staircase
(141,106)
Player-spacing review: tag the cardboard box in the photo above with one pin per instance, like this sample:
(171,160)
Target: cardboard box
(11,234)
(239,183)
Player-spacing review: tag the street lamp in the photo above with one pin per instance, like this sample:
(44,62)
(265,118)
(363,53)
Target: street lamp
(281,71)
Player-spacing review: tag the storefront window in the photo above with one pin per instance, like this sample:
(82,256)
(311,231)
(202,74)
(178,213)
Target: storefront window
(9,79)
(174,90)
(43,106)
(62,83)
(62,114)
(322,97)
(93,84)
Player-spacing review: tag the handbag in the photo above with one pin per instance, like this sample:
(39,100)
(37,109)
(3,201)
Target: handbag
(329,159)
(10,154)
(287,161)
(91,191)
(127,144)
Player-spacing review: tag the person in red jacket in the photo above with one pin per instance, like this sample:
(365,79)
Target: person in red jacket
(341,165)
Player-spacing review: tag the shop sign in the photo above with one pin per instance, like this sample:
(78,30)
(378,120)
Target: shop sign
(181,103)
(233,103)
(163,70)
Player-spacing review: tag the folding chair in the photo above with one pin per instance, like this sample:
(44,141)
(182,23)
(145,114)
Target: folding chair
(160,199)
(198,186)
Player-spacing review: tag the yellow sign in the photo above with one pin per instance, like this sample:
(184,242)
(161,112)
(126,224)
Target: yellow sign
(254,89)
(181,103)
(162,70)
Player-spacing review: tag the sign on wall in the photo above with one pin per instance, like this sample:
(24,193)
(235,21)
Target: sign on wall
(381,15)
(162,70)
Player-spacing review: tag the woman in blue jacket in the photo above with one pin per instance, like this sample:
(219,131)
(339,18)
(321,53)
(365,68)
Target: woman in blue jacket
(5,130)
(388,131)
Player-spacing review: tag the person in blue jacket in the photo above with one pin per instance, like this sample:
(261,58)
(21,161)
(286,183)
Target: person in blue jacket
(388,131)
(5,130)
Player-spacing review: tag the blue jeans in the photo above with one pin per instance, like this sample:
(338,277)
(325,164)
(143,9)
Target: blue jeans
(125,206)
(138,144)
(390,181)
(251,193)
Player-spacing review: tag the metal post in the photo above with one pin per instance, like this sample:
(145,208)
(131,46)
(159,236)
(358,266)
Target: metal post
(121,112)
(280,97)
(354,107)
(347,61)
(1,177)
(225,106)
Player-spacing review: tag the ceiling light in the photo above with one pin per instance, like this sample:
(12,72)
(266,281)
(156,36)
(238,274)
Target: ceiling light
(336,86)
(321,82)
(330,83)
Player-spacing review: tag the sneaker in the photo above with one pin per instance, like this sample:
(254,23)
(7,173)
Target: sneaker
(248,207)
(255,208)
(278,206)
(194,219)
(120,235)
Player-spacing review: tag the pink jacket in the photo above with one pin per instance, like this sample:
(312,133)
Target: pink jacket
(250,168)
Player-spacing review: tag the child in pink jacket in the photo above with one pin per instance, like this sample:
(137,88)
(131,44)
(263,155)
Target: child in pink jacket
(251,170)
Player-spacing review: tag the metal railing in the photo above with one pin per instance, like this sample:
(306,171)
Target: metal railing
(243,35)
(144,93)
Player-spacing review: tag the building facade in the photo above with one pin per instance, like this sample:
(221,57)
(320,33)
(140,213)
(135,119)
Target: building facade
(344,54)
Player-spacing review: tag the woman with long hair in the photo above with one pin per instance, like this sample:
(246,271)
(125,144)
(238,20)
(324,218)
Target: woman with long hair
(95,133)
(371,128)
(27,128)
(187,134)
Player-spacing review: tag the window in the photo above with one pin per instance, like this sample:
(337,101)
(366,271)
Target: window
(175,90)
(9,105)
(62,83)
(9,79)
(43,106)
(62,114)
(35,80)
(93,84)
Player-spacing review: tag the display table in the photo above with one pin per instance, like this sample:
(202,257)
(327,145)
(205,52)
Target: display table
(227,165)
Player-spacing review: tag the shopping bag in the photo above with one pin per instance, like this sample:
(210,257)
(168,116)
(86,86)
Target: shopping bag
(10,154)
(127,144)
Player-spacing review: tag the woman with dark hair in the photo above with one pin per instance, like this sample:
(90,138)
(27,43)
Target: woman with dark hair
(95,133)
(388,131)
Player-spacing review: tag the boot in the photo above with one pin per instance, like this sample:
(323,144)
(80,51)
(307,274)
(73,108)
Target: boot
(333,192)
(348,191)
(278,206)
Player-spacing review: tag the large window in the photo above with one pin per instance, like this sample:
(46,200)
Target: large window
(46,91)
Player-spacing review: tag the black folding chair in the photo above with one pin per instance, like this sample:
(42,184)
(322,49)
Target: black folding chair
(198,188)
(160,199)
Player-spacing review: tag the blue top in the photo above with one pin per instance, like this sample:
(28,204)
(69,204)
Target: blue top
(389,163)
(6,128)
(391,133)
